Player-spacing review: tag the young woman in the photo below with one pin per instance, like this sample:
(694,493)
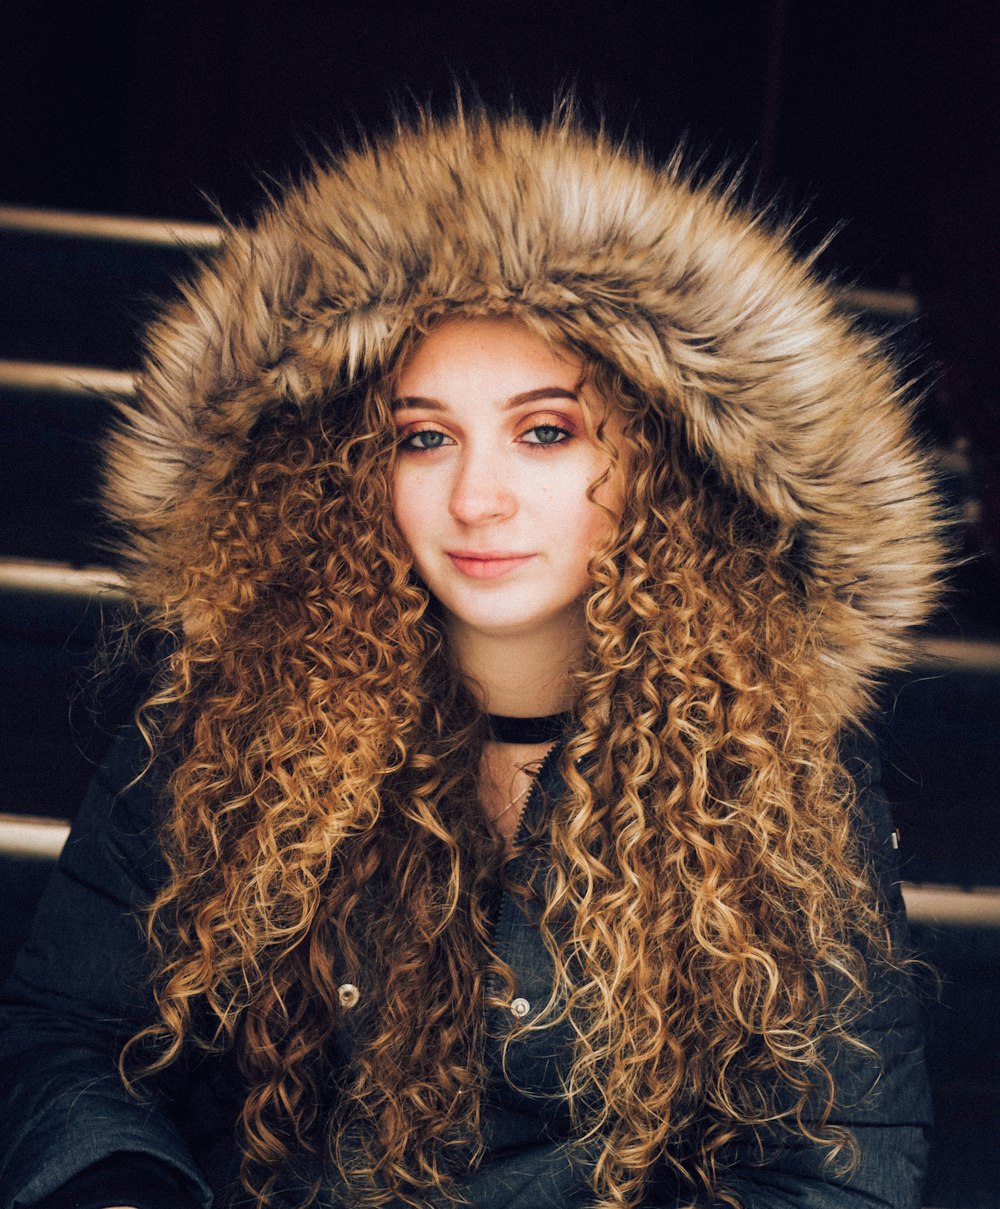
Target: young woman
(527,529)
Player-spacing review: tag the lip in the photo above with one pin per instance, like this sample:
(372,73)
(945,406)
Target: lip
(487,564)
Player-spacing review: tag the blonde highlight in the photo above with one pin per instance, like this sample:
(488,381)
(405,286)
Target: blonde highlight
(708,912)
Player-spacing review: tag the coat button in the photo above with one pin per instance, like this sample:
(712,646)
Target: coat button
(348,994)
(520,1007)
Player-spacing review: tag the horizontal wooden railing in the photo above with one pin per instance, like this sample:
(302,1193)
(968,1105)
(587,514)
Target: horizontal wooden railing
(46,377)
(25,836)
(162,232)
(59,579)
(67,224)
(931,654)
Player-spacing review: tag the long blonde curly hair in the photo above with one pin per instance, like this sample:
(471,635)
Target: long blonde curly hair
(707,910)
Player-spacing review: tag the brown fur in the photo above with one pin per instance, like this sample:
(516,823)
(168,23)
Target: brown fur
(706,310)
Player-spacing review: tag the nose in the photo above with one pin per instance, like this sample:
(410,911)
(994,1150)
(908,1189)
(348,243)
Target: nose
(481,492)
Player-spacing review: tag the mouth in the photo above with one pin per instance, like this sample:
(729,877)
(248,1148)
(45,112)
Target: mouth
(487,565)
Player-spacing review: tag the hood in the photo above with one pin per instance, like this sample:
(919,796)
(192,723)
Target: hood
(704,308)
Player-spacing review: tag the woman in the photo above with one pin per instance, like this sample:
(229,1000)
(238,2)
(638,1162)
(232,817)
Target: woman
(529,529)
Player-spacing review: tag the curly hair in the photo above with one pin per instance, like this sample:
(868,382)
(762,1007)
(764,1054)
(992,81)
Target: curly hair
(707,910)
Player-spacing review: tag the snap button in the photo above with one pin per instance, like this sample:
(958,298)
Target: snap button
(520,1007)
(348,994)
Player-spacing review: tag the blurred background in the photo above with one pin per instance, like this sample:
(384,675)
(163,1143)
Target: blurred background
(127,127)
(877,120)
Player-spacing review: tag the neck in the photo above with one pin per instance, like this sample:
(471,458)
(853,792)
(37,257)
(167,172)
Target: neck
(520,675)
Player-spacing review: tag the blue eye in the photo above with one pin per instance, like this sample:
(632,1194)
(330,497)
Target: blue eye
(426,438)
(546,434)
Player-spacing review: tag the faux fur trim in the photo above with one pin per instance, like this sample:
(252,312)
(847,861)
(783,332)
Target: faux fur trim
(704,308)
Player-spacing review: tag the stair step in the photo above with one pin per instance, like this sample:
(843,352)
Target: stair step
(55,417)
(81,288)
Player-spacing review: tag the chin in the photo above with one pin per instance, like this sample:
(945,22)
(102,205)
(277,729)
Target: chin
(513,621)
(497,625)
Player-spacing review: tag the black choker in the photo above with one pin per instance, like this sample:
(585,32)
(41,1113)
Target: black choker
(528,730)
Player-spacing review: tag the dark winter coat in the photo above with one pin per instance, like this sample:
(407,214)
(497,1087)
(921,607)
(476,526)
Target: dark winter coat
(79,988)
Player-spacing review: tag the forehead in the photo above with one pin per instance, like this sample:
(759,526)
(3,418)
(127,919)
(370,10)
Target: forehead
(487,355)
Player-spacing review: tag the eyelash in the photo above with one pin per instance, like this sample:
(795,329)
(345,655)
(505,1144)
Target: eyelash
(564,436)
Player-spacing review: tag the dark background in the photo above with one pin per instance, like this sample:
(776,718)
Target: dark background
(878,119)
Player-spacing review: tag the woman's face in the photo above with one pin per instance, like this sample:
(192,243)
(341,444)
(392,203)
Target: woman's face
(494,465)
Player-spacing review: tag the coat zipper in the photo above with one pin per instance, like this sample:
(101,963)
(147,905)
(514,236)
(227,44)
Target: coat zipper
(520,832)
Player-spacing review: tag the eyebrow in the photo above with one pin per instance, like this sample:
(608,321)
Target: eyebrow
(527,396)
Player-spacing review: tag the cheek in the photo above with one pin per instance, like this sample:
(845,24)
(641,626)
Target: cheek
(599,526)
(420,510)
(584,528)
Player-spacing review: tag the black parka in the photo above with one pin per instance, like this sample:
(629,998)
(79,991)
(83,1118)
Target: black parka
(80,988)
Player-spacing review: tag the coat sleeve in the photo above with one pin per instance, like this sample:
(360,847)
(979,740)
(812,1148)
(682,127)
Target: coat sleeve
(883,1100)
(77,991)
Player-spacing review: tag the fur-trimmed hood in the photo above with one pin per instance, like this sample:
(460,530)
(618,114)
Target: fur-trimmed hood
(705,309)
